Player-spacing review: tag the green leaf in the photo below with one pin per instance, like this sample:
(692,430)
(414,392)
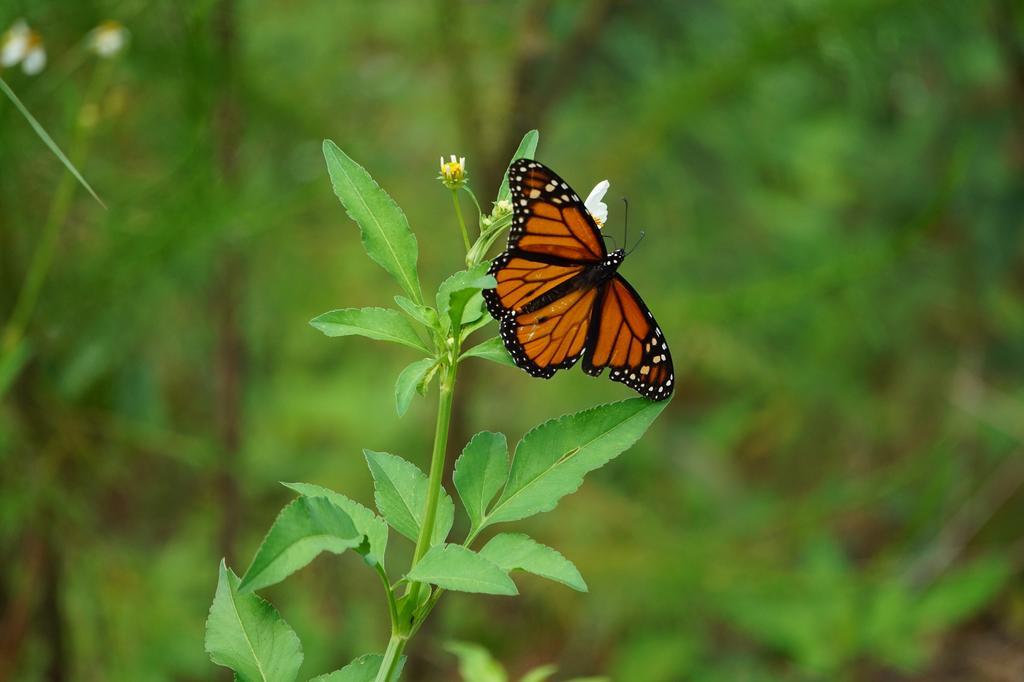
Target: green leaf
(552,459)
(515,551)
(476,663)
(408,381)
(539,674)
(424,382)
(423,314)
(476,316)
(382,324)
(527,148)
(363,669)
(47,140)
(455,293)
(246,634)
(366,522)
(12,360)
(480,472)
(400,490)
(303,529)
(475,309)
(454,567)
(962,592)
(492,349)
(387,237)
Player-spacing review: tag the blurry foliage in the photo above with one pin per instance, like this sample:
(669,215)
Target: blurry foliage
(832,191)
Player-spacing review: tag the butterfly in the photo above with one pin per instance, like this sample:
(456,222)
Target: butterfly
(560,298)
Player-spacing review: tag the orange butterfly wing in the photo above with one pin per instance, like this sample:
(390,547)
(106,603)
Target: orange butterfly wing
(522,280)
(625,337)
(549,218)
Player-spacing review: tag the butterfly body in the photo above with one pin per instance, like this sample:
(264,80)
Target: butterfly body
(560,298)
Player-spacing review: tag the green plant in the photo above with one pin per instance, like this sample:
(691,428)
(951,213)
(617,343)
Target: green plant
(477,665)
(245,633)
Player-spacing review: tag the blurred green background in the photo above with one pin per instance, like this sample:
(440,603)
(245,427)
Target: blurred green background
(833,194)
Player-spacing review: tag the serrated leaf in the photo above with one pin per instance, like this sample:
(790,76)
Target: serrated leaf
(552,459)
(362,669)
(455,293)
(246,634)
(454,567)
(492,349)
(304,528)
(387,238)
(527,148)
(515,551)
(366,522)
(423,314)
(400,491)
(480,472)
(408,381)
(382,324)
(476,663)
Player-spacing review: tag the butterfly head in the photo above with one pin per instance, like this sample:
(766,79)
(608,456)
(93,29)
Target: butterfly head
(615,258)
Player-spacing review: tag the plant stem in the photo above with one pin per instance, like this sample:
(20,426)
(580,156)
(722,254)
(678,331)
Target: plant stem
(462,222)
(390,594)
(42,257)
(444,416)
(392,655)
(479,211)
(401,631)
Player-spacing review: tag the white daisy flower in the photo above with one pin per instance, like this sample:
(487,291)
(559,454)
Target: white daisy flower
(595,203)
(108,39)
(35,58)
(14,43)
(453,173)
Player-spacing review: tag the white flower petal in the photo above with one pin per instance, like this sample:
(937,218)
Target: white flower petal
(109,38)
(595,204)
(15,43)
(35,61)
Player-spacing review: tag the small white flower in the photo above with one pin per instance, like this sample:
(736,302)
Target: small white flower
(14,43)
(453,173)
(595,203)
(20,44)
(35,60)
(502,207)
(108,39)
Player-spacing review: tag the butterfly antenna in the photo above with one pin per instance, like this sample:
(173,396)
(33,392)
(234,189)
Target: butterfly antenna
(643,233)
(615,243)
(625,236)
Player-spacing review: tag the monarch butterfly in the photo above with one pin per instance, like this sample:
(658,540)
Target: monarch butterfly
(560,298)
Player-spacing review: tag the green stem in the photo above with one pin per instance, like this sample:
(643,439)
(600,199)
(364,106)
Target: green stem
(407,621)
(487,237)
(444,417)
(38,268)
(392,655)
(462,222)
(390,594)
(42,257)
(401,631)
(479,211)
